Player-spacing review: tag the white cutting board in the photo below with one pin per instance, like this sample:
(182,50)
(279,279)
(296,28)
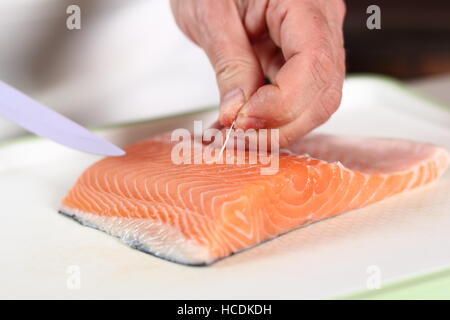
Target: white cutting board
(43,254)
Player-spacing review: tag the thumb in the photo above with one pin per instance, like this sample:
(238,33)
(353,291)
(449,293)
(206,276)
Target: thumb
(237,68)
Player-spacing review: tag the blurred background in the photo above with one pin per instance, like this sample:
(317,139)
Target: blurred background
(414,40)
(129,61)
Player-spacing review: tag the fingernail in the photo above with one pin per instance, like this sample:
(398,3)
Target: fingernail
(231,103)
(250,123)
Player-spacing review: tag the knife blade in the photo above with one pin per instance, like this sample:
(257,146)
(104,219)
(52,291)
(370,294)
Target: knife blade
(38,119)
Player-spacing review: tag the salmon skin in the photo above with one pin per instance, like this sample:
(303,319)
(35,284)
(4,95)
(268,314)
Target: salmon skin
(197,214)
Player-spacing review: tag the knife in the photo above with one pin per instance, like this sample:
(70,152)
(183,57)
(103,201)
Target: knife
(36,118)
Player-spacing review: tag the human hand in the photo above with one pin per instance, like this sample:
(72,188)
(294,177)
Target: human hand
(296,44)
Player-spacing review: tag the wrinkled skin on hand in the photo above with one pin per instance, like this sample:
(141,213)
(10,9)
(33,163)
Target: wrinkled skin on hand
(296,44)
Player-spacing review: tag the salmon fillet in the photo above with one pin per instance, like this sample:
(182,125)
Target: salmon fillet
(199,213)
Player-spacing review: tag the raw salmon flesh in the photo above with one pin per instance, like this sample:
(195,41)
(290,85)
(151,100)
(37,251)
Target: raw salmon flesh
(199,213)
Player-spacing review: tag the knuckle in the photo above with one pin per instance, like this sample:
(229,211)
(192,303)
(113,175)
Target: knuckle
(205,11)
(207,17)
(277,11)
(277,7)
(322,64)
(320,21)
(228,68)
(328,103)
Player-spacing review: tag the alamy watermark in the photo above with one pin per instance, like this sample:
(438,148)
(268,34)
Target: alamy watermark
(243,147)
(373,22)
(73,281)
(373,280)
(73,21)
